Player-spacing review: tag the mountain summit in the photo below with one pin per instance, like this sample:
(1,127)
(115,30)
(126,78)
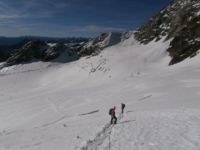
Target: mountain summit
(180,23)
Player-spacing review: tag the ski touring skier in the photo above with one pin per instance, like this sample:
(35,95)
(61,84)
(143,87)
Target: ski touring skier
(113,115)
(122,107)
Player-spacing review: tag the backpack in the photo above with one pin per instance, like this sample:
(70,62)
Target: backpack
(110,111)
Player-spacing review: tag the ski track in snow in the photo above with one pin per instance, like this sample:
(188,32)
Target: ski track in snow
(100,137)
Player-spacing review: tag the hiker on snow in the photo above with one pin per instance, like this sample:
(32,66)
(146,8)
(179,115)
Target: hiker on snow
(113,116)
(122,107)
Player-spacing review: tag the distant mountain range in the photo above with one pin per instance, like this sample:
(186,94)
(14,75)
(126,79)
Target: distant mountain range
(8,41)
(48,49)
(179,22)
(9,46)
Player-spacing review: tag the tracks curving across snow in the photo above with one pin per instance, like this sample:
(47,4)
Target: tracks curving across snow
(100,137)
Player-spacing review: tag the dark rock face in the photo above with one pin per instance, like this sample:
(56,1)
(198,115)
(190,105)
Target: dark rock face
(31,50)
(91,50)
(6,51)
(179,22)
(53,52)
(25,49)
(39,50)
(4,56)
(186,43)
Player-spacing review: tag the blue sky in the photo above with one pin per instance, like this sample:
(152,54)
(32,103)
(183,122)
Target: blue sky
(68,18)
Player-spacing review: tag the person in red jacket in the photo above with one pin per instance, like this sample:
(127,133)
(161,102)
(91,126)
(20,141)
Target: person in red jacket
(113,116)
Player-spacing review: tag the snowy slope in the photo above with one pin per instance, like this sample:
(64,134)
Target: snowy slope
(48,106)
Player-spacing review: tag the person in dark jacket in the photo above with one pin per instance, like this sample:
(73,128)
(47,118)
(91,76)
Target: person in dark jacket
(122,107)
(113,116)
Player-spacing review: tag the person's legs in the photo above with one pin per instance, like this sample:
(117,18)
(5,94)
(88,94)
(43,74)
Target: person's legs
(115,119)
(111,121)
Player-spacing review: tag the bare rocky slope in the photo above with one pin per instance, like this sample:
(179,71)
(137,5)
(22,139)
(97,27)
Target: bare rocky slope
(180,23)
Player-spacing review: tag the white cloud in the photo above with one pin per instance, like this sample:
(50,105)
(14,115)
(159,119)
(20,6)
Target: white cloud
(26,9)
(8,12)
(10,16)
(96,29)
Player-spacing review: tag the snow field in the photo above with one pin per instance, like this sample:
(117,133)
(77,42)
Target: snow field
(48,106)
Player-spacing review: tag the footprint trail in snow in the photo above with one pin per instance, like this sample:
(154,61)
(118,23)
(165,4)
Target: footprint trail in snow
(100,137)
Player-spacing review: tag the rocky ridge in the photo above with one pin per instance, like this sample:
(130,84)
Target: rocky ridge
(178,22)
